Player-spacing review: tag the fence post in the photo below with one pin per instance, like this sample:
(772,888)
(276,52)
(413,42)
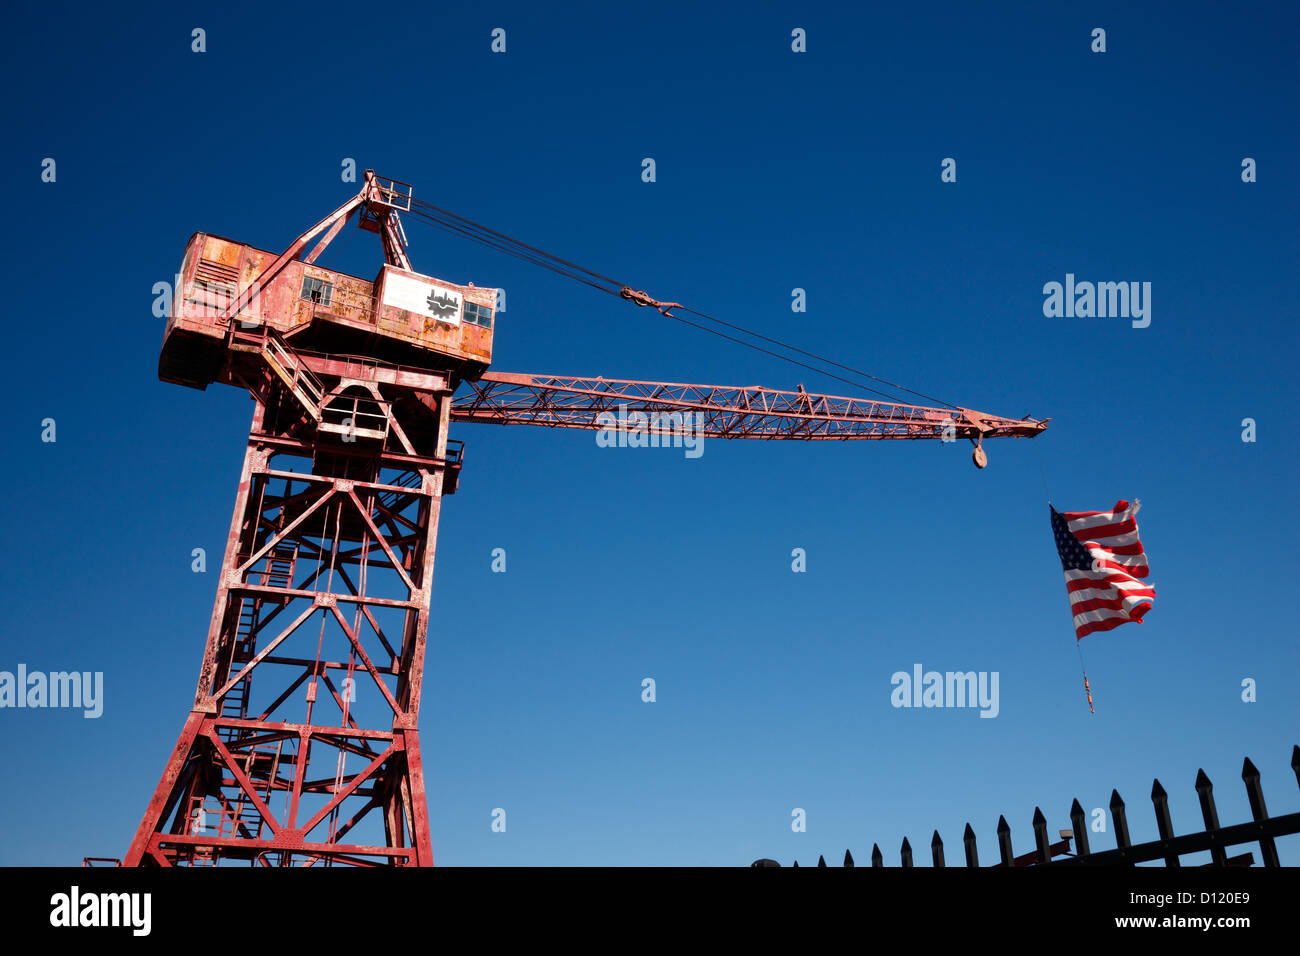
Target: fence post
(848,858)
(1258,811)
(972,855)
(876,858)
(936,849)
(1120,819)
(821,860)
(1004,842)
(907,853)
(1077,818)
(1205,790)
(1165,825)
(1040,837)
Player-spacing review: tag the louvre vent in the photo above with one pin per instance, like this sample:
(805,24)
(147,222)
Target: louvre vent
(216,275)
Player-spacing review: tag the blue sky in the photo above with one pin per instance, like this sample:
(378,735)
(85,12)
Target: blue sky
(775,170)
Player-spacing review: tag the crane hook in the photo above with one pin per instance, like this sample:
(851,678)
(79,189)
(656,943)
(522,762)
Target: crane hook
(979,455)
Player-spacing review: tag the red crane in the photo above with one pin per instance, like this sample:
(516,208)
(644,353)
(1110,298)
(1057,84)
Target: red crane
(302,745)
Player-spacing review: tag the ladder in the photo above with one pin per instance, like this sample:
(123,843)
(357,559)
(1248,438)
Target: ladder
(261,763)
(277,571)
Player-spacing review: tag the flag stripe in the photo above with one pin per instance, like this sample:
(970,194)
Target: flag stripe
(1116,542)
(1079,520)
(1106,530)
(1125,604)
(1092,627)
(1081,591)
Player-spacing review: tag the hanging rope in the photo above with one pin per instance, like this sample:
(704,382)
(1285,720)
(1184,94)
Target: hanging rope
(1078,643)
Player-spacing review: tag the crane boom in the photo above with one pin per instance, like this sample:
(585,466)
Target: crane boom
(553,401)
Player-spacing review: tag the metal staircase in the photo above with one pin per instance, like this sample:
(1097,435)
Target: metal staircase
(285,363)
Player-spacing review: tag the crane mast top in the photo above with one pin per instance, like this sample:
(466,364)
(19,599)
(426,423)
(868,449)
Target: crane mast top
(400,316)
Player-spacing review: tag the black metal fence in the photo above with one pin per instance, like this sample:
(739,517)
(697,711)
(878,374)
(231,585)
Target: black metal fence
(1262,830)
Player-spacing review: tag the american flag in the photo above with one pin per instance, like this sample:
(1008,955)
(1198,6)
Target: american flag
(1104,563)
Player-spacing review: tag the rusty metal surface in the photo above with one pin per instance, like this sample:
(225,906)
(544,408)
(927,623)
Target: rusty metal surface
(511,398)
(326,579)
(302,746)
(198,309)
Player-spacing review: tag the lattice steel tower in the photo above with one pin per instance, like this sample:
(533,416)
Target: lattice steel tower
(303,744)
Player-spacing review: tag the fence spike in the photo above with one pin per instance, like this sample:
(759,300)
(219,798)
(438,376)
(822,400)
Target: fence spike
(848,858)
(936,849)
(972,854)
(821,860)
(877,859)
(1004,842)
(1210,813)
(1078,823)
(1160,799)
(1041,842)
(907,853)
(1258,811)
(1249,771)
(1120,818)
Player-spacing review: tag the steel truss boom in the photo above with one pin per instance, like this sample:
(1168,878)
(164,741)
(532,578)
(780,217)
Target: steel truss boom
(553,401)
